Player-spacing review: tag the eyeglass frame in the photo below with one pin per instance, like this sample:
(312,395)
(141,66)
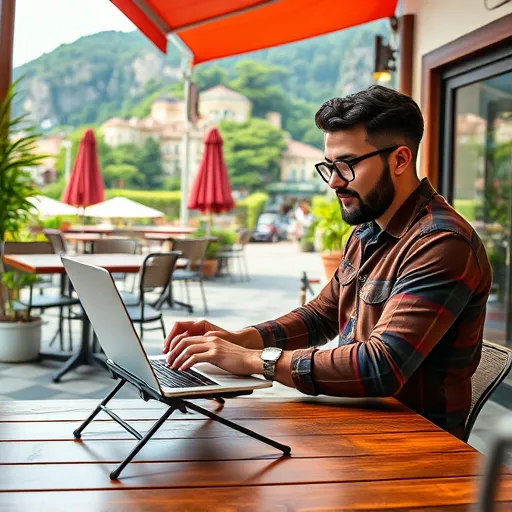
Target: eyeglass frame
(350,163)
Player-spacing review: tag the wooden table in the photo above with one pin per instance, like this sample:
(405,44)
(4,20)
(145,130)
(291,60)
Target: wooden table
(346,455)
(85,238)
(52,264)
(169,230)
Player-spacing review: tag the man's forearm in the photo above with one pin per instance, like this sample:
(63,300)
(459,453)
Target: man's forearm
(249,338)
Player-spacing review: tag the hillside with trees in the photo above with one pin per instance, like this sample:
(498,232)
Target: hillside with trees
(118,74)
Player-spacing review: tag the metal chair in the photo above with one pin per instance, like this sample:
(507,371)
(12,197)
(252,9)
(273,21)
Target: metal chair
(43,302)
(113,245)
(494,366)
(57,240)
(194,251)
(156,272)
(236,253)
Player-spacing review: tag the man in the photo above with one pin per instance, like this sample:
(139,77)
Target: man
(408,299)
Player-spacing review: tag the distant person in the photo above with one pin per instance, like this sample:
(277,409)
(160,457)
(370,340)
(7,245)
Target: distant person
(407,302)
(304,219)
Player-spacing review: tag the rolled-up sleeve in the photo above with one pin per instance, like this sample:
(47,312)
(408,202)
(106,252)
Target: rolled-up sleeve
(311,325)
(435,283)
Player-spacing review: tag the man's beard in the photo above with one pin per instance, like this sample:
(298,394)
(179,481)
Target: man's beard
(377,201)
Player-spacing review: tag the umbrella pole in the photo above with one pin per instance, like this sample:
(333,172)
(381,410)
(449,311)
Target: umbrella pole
(209,225)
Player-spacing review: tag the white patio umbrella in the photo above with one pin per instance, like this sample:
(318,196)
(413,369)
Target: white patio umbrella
(121,208)
(47,207)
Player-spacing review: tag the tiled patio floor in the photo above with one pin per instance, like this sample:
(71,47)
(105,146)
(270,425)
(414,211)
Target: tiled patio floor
(273,290)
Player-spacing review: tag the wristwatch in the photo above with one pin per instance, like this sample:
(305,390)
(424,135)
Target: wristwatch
(270,356)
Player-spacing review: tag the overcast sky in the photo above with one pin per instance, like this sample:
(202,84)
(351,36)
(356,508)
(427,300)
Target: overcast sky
(42,25)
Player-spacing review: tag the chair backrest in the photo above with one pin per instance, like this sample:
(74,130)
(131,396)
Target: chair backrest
(28,248)
(56,239)
(245,235)
(494,366)
(193,249)
(157,269)
(114,246)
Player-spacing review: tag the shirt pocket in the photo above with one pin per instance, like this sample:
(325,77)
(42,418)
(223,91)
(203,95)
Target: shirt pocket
(346,273)
(376,292)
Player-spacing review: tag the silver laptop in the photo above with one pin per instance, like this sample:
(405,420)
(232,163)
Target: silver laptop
(121,343)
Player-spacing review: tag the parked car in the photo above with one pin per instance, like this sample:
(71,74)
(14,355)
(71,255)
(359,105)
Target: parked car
(271,227)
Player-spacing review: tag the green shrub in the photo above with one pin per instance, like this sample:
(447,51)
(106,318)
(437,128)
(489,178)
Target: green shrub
(467,208)
(253,206)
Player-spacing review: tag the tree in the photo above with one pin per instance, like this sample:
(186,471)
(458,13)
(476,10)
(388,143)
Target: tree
(207,77)
(258,82)
(119,175)
(149,164)
(252,151)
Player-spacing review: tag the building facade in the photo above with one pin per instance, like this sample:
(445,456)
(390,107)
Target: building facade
(166,124)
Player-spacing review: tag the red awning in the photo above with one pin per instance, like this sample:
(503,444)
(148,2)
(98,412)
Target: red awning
(213,29)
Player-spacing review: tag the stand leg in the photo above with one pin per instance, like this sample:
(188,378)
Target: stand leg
(285,449)
(114,475)
(77,433)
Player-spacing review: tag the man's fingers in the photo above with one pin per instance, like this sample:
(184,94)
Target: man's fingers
(189,351)
(182,344)
(202,357)
(177,328)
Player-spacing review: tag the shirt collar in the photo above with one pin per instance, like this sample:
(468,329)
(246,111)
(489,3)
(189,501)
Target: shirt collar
(407,213)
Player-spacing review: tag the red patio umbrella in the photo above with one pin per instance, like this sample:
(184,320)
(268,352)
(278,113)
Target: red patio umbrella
(211,191)
(85,186)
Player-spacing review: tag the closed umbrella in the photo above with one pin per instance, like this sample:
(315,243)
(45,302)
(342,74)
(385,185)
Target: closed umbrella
(85,186)
(122,208)
(211,191)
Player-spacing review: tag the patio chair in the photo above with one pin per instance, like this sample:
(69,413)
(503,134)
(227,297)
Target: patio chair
(193,250)
(113,245)
(156,272)
(235,253)
(494,366)
(44,302)
(57,240)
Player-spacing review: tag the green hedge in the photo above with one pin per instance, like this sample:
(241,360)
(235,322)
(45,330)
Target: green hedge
(467,208)
(249,209)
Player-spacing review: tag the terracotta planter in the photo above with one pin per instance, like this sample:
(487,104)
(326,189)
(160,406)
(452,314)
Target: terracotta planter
(210,267)
(20,341)
(331,262)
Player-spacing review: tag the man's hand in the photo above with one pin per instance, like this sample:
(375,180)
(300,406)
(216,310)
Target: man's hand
(215,350)
(247,338)
(182,330)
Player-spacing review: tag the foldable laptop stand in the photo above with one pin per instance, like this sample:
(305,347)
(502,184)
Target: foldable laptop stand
(147,393)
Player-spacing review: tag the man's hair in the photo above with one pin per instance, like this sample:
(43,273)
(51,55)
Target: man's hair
(388,117)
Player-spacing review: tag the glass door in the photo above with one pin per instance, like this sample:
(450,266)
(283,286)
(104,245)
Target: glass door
(476,173)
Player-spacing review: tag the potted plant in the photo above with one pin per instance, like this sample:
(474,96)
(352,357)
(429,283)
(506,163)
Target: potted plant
(20,335)
(224,239)
(333,232)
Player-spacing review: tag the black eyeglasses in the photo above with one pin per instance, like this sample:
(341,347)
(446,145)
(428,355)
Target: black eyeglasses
(345,168)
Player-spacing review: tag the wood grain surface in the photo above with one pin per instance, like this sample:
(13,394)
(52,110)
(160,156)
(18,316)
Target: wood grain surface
(346,455)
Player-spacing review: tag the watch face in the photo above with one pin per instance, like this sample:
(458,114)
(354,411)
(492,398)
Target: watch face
(271,354)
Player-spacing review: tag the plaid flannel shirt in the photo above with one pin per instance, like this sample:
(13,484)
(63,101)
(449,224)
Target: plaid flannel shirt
(408,304)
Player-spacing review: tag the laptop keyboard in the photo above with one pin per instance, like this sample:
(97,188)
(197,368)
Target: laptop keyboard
(179,378)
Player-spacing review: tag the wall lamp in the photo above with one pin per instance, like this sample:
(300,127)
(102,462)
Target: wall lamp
(385,56)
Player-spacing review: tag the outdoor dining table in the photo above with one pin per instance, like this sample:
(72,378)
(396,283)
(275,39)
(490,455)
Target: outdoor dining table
(346,454)
(167,230)
(87,239)
(52,264)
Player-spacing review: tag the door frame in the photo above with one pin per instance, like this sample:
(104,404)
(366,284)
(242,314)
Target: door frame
(487,66)
(462,51)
